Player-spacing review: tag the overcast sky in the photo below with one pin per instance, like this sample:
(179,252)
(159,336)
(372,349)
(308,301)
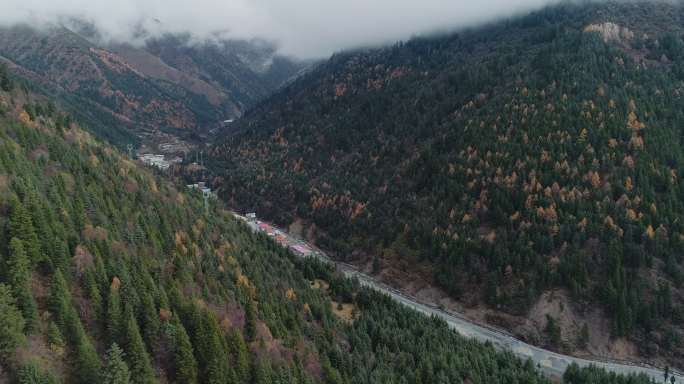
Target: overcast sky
(302,28)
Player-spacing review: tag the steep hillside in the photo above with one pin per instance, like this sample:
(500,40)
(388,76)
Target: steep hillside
(167,89)
(537,154)
(111,274)
(246,71)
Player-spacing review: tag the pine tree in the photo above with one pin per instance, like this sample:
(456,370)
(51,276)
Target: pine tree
(79,215)
(93,291)
(250,320)
(331,374)
(19,277)
(86,360)
(184,360)
(87,363)
(60,254)
(55,339)
(115,370)
(138,358)
(11,331)
(240,355)
(209,346)
(150,319)
(59,299)
(36,209)
(30,373)
(262,373)
(22,228)
(114,323)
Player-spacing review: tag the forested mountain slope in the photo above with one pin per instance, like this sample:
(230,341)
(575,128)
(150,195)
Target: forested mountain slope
(111,274)
(168,85)
(537,153)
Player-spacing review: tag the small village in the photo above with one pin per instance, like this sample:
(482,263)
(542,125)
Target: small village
(159,161)
(299,247)
(281,237)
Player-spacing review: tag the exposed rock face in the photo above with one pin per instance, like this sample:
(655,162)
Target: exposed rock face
(611,32)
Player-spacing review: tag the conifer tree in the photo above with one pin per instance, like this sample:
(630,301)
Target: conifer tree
(184,360)
(138,358)
(250,320)
(93,291)
(331,375)
(240,355)
(59,299)
(209,347)
(87,363)
(60,254)
(79,215)
(55,339)
(18,269)
(262,373)
(36,210)
(30,373)
(114,322)
(22,228)
(11,331)
(150,320)
(115,369)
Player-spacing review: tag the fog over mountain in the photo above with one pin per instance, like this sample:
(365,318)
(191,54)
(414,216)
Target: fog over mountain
(302,28)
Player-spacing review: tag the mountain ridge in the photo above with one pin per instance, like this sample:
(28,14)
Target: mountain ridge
(112,273)
(500,163)
(169,86)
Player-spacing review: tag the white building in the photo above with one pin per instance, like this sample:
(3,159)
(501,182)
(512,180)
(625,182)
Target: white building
(206,191)
(155,161)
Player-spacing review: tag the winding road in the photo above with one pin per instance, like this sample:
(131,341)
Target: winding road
(550,362)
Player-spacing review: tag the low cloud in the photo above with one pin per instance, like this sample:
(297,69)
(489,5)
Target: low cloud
(301,28)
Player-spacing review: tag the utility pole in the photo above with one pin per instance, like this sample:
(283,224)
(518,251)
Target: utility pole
(202,163)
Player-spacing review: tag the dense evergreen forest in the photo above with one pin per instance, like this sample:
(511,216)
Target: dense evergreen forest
(111,274)
(540,152)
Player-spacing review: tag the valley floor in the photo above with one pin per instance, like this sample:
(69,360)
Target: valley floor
(552,363)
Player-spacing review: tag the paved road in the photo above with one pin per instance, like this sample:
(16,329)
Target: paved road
(550,362)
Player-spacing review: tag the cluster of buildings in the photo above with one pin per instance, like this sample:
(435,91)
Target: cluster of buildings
(279,236)
(155,161)
(158,161)
(206,191)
